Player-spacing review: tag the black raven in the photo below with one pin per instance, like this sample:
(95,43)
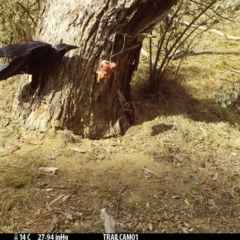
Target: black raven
(33,58)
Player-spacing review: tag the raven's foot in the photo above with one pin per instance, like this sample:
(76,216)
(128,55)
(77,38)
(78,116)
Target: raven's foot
(40,98)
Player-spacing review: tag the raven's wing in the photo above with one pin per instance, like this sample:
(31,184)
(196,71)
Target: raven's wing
(19,64)
(8,70)
(21,49)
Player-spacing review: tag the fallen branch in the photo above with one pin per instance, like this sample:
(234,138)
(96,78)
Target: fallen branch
(149,171)
(108,220)
(183,54)
(11,150)
(119,199)
(234,70)
(59,187)
(79,150)
(211,30)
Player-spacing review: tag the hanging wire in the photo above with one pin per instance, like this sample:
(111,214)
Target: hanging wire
(112,47)
(124,40)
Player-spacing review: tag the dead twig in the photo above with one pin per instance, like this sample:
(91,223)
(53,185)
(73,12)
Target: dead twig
(79,150)
(183,54)
(11,150)
(234,70)
(59,187)
(211,30)
(52,225)
(119,199)
(149,171)
(183,229)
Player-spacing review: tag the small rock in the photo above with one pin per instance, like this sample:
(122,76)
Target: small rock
(150,226)
(215,176)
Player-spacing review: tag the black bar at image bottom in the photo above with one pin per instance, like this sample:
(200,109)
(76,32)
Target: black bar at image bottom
(66,236)
(103,236)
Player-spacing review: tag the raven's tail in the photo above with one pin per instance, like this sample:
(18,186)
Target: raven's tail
(3,66)
(2,74)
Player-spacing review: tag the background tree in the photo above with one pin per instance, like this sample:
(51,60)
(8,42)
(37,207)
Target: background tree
(18,20)
(73,98)
(180,33)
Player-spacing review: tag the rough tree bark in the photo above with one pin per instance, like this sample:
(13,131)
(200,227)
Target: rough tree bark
(73,97)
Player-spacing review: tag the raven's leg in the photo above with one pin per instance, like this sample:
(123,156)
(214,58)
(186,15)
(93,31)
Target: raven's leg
(35,81)
(36,85)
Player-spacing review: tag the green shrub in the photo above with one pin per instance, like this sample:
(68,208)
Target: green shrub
(228,97)
(17,20)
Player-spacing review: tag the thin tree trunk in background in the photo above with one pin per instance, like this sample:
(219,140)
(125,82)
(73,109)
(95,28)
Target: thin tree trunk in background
(73,97)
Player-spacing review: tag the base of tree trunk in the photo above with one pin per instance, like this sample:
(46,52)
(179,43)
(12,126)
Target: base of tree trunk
(74,99)
(36,114)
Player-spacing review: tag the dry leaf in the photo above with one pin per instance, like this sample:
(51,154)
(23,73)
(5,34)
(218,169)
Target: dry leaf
(56,199)
(38,212)
(48,169)
(185,224)
(68,215)
(203,180)
(66,197)
(150,226)
(186,202)
(48,207)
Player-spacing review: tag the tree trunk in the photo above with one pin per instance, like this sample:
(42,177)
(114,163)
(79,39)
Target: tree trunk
(73,97)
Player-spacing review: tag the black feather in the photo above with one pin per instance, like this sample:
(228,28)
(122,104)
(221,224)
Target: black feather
(33,58)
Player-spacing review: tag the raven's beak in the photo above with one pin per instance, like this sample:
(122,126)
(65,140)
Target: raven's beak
(70,47)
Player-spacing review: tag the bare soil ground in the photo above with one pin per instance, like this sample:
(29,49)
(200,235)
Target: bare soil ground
(177,170)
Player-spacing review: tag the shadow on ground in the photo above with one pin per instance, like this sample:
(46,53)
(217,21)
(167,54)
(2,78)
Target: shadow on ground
(174,99)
